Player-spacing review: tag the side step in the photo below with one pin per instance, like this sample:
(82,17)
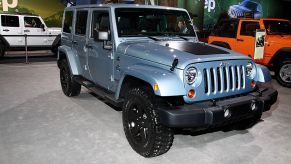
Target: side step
(101,92)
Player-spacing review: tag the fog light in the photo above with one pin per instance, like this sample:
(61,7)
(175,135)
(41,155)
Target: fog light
(253,106)
(191,93)
(227,113)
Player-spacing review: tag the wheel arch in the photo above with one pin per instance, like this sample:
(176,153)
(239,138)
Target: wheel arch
(280,55)
(67,53)
(148,76)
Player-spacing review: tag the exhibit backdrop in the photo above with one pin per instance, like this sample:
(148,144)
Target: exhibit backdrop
(50,10)
(213,9)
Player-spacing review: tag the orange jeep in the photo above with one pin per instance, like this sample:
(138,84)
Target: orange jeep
(239,35)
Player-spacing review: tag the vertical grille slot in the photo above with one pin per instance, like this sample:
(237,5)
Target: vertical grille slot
(224,79)
(206,89)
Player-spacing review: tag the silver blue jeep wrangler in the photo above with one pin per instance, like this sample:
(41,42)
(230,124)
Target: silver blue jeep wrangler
(148,61)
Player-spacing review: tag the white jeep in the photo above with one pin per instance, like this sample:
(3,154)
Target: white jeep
(14,28)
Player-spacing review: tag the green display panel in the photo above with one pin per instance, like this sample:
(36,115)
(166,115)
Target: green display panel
(50,10)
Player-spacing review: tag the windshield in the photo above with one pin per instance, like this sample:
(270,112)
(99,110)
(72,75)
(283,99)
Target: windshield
(278,27)
(152,22)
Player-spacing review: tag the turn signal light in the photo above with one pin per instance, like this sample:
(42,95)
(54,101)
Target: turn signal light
(155,86)
(191,93)
(253,84)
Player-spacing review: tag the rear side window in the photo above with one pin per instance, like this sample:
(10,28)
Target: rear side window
(9,21)
(81,22)
(225,28)
(249,28)
(67,27)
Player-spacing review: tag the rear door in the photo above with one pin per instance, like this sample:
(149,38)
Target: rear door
(67,31)
(245,42)
(10,25)
(80,39)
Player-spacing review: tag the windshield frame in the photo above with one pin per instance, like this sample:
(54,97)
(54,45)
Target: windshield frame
(154,11)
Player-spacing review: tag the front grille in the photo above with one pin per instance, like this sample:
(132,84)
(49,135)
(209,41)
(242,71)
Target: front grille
(224,79)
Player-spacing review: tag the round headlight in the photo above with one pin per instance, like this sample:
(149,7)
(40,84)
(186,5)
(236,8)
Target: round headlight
(249,69)
(190,75)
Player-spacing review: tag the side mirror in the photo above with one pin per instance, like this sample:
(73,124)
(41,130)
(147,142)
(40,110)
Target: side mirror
(43,27)
(103,36)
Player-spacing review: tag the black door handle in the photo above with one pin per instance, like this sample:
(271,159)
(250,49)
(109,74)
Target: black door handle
(6,30)
(240,40)
(89,46)
(26,30)
(75,42)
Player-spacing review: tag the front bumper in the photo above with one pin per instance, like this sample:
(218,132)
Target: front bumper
(207,114)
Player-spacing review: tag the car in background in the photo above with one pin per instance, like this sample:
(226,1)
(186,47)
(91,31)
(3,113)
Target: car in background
(239,35)
(15,26)
(236,11)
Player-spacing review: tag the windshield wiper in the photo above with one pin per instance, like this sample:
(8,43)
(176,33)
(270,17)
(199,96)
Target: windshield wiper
(182,37)
(153,38)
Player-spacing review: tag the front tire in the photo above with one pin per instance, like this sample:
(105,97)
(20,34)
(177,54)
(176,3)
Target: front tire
(283,73)
(141,124)
(69,86)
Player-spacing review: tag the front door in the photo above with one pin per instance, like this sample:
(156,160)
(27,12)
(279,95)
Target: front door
(80,40)
(100,59)
(246,37)
(33,25)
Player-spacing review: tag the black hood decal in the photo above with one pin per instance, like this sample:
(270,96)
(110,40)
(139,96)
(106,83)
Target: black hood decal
(193,48)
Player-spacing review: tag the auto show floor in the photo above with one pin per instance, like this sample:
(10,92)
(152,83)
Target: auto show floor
(39,124)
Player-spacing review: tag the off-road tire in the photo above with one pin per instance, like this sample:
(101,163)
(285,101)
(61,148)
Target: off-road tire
(2,51)
(157,139)
(280,66)
(69,86)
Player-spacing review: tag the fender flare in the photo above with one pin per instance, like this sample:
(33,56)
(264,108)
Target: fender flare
(281,53)
(65,52)
(263,74)
(221,44)
(169,83)
(57,41)
(4,42)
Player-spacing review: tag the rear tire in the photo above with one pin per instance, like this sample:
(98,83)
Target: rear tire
(283,73)
(2,51)
(69,86)
(141,124)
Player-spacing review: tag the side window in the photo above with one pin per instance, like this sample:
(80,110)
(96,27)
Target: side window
(81,22)
(67,27)
(100,22)
(9,21)
(32,22)
(225,29)
(248,28)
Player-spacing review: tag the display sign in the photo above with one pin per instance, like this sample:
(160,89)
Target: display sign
(259,44)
